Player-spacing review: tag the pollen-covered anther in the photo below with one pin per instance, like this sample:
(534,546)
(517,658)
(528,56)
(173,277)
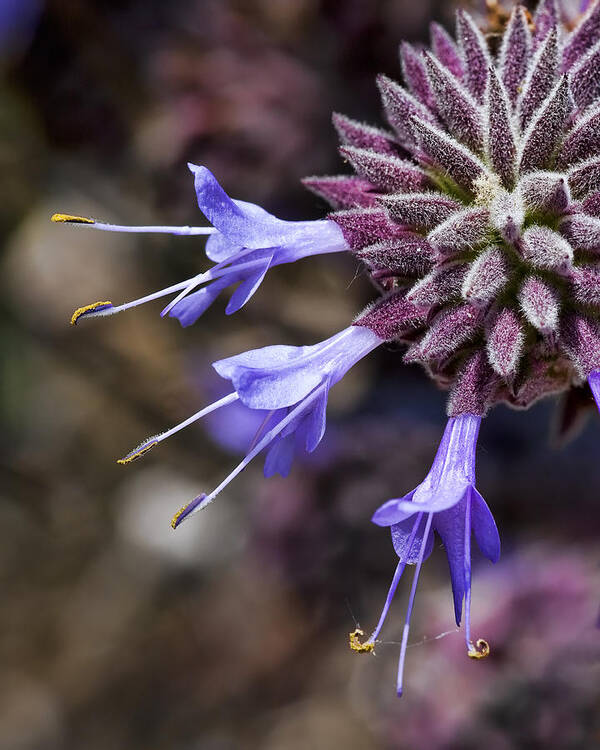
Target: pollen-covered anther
(69,219)
(360,647)
(479,650)
(94,307)
(186,510)
(138,452)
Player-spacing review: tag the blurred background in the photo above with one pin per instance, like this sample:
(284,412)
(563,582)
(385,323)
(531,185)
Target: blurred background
(117,632)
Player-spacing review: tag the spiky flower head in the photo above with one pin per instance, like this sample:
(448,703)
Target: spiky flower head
(478,214)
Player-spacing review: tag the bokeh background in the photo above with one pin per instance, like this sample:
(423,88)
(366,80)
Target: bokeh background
(116,632)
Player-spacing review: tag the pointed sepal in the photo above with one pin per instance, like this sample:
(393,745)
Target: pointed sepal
(486,277)
(540,304)
(504,344)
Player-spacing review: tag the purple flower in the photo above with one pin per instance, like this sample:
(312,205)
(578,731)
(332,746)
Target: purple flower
(446,502)
(290,386)
(477,215)
(244,242)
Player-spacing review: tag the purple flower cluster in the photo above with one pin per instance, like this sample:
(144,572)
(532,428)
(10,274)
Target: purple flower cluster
(477,216)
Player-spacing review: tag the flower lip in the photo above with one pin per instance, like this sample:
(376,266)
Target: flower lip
(452,474)
(280,376)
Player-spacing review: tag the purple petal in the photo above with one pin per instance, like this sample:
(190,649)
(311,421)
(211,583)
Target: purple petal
(484,528)
(218,248)
(280,457)
(401,533)
(313,427)
(450,525)
(194,305)
(248,286)
(389,514)
(278,376)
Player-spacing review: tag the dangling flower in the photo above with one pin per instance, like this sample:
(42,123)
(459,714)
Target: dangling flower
(244,242)
(291,384)
(446,502)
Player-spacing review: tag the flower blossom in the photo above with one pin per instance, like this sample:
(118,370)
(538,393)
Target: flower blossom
(291,384)
(244,242)
(476,213)
(448,503)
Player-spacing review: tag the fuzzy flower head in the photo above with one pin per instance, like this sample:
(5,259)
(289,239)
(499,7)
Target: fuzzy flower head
(481,207)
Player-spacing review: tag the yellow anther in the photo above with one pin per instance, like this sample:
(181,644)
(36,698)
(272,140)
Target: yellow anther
(357,645)
(479,650)
(68,219)
(86,309)
(137,453)
(178,515)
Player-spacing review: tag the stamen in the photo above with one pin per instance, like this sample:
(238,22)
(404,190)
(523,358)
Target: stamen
(84,220)
(102,309)
(68,219)
(479,650)
(356,645)
(215,272)
(395,581)
(97,306)
(138,452)
(155,439)
(411,601)
(182,513)
(199,504)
